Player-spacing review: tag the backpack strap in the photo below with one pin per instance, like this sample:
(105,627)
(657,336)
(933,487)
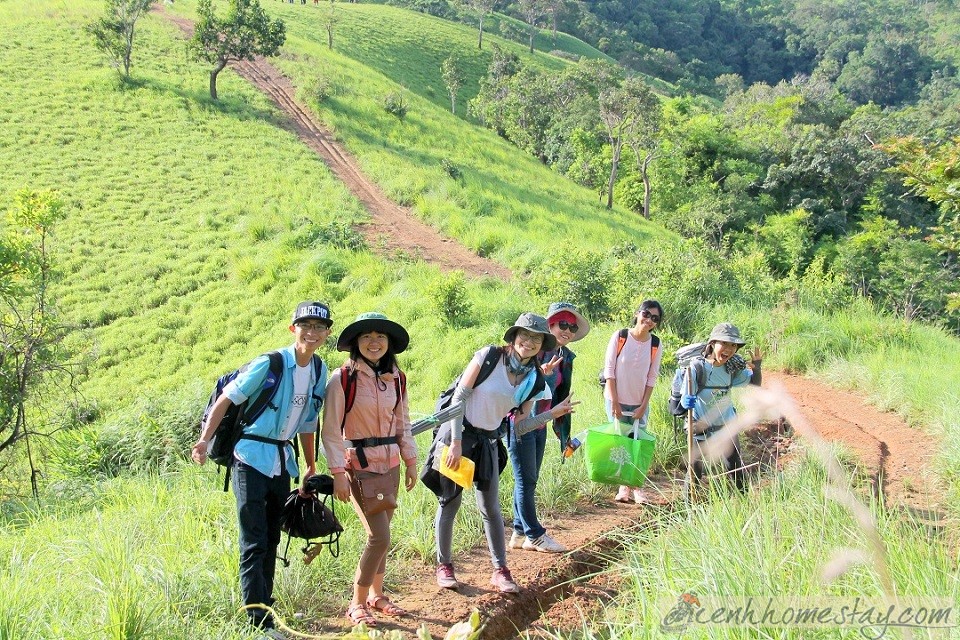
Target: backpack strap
(621,341)
(490,361)
(654,347)
(255,409)
(265,398)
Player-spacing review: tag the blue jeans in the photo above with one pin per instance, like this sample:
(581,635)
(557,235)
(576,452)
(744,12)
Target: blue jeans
(259,502)
(526,455)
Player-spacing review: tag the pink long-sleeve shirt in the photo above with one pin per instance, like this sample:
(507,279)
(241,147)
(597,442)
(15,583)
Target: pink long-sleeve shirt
(633,370)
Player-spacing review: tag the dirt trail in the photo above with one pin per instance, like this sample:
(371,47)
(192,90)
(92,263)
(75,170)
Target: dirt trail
(560,591)
(392,229)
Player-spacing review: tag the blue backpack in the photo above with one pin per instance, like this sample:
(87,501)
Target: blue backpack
(238,416)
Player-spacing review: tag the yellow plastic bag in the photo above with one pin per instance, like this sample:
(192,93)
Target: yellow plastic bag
(462,475)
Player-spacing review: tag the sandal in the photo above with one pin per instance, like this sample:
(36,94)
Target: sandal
(383,604)
(358,614)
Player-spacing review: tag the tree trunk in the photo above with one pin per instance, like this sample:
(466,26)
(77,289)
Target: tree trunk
(330,37)
(213,78)
(480,41)
(531,38)
(453,103)
(614,164)
(646,185)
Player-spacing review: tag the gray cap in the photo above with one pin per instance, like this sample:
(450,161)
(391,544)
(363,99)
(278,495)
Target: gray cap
(726,332)
(534,324)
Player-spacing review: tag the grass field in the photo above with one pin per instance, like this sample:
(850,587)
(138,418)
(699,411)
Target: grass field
(193,229)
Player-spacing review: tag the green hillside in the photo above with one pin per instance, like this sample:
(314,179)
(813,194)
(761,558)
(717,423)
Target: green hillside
(193,228)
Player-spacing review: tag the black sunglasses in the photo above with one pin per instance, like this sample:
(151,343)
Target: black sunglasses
(651,316)
(566,326)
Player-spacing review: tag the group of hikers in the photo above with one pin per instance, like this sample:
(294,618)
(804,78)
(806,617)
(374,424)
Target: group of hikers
(507,392)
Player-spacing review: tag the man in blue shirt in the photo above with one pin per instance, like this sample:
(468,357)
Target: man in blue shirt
(264,459)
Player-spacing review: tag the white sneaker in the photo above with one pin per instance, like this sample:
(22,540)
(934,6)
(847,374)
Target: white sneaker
(544,543)
(517,540)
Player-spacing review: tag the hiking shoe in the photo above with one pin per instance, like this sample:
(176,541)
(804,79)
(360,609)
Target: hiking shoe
(623,495)
(517,540)
(544,543)
(445,577)
(503,581)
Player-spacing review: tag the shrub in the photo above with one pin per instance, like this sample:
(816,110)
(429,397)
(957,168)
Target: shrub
(448,297)
(451,169)
(578,276)
(395,104)
(337,234)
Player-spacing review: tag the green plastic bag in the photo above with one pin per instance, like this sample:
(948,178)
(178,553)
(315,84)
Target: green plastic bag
(613,458)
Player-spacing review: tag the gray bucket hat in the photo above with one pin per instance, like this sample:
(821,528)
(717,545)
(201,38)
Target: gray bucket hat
(726,332)
(583,327)
(534,324)
(373,321)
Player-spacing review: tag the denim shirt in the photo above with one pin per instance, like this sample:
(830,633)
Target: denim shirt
(713,405)
(262,456)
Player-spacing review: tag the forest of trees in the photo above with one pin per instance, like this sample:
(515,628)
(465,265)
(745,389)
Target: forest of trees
(816,135)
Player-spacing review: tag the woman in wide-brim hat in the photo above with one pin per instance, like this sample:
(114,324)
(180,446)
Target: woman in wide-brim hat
(722,368)
(511,383)
(566,324)
(366,433)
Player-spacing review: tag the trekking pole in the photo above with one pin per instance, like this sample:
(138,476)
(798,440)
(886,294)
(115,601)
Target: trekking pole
(689,482)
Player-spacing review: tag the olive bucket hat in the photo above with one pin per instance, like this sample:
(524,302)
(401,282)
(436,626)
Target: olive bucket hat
(726,332)
(534,324)
(557,308)
(373,321)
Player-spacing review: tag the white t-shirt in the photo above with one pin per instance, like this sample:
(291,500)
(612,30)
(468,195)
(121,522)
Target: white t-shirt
(301,395)
(491,400)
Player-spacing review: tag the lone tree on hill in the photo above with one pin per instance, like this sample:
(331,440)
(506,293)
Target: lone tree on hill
(329,22)
(453,77)
(532,11)
(621,108)
(245,32)
(482,8)
(33,358)
(113,32)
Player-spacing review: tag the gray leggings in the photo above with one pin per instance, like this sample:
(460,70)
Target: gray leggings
(488,502)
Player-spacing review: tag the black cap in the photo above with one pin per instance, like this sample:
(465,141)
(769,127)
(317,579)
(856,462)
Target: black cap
(308,310)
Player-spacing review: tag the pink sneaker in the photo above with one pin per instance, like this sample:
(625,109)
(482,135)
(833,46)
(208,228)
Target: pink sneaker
(623,495)
(445,577)
(503,581)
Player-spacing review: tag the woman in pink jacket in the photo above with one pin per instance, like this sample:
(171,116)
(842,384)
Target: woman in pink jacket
(366,433)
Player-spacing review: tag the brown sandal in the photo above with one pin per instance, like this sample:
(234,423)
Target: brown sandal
(358,614)
(383,604)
